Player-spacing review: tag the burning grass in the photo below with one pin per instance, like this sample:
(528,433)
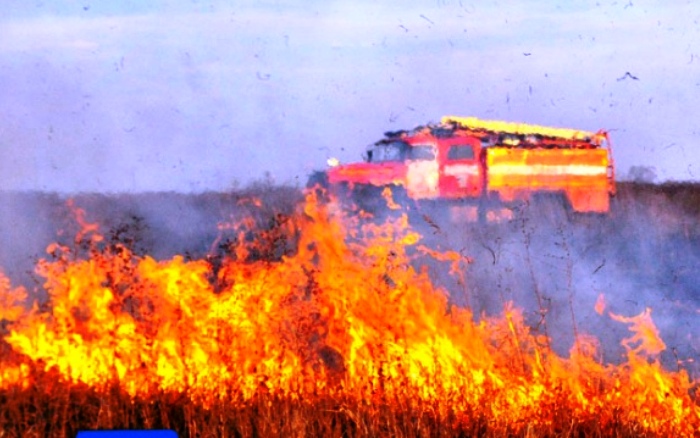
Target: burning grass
(344,336)
(35,413)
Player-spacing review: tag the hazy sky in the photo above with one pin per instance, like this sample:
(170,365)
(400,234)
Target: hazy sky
(196,95)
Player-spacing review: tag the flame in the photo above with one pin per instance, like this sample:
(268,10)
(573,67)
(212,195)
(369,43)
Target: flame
(11,300)
(644,332)
(600,304)
(390,203)
(347,315)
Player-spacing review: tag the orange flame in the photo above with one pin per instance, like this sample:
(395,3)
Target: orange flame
(600,304)
(347,314)
(645,334)
(390,203)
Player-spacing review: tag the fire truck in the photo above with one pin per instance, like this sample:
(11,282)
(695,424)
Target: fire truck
(467,159)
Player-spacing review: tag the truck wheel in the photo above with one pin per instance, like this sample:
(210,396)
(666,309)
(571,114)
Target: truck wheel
(552,209)
(317,179)
(371,199)
(482,211)
(486,204)
(318,184)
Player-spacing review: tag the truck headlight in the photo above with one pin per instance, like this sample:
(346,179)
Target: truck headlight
(332,162)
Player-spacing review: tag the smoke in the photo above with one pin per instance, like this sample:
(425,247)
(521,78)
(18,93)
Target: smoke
(555,265)
(160,224)
(28,223)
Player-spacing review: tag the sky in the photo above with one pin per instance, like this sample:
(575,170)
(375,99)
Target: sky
(190,96)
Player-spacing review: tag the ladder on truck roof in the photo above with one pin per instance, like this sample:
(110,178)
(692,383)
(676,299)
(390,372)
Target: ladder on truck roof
(500,127)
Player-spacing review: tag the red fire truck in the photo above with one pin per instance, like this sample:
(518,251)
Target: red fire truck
(468,159)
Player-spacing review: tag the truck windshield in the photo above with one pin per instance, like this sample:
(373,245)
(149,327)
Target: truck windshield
(384,152)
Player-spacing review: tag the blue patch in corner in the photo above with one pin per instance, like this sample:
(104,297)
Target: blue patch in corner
(126,434)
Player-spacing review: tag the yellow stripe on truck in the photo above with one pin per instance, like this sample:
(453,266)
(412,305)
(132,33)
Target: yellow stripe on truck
(562,170)
(498,126)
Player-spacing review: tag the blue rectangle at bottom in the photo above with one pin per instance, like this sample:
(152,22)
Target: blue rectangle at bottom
(126,434)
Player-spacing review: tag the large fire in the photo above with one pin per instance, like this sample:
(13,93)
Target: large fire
(348,316)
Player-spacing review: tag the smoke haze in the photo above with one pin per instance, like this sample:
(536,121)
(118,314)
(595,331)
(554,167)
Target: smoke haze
(646,254)
(190,97)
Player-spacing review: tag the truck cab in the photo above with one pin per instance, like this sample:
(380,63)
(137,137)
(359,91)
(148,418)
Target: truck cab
(427,164)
